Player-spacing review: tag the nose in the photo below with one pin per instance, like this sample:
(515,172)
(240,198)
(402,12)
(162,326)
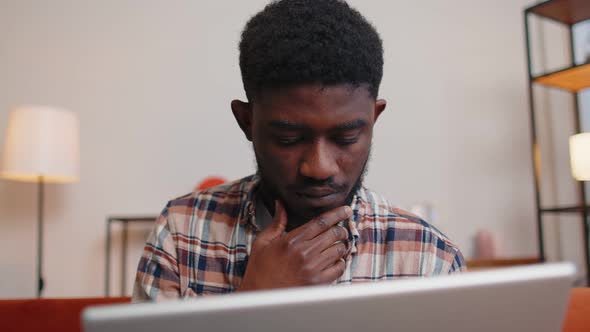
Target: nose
(318,162)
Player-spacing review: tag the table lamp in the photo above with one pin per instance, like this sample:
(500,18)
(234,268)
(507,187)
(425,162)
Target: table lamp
(580,156)
(42,145)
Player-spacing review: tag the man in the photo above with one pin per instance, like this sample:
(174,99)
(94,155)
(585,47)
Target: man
(311,71)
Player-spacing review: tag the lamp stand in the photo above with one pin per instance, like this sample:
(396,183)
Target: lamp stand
(40,190)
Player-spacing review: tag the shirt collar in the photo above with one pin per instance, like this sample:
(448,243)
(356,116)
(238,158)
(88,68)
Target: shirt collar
(248,190)
(248,214)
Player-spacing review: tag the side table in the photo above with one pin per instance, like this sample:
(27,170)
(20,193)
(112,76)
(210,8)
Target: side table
(125,221)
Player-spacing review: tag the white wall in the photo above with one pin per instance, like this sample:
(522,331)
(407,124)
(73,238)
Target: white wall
(152,82)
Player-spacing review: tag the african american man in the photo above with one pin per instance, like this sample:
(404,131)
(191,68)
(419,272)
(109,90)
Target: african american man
(311,70)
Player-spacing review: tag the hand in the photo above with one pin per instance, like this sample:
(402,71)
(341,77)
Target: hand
(309,255)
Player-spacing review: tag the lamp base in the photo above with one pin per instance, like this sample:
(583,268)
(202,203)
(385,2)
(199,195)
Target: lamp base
(40,285)
(40,281)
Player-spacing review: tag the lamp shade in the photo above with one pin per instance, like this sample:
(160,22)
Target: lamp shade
(41,141)
(580,156)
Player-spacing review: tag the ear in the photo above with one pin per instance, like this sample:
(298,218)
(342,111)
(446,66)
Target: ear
(380,105)
(243,114)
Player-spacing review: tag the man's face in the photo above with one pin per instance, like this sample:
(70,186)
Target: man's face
(311,144)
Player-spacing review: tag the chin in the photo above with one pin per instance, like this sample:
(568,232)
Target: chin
(311,207)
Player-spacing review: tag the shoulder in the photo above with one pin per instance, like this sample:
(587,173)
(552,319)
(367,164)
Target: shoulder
(224,203)
(401,225)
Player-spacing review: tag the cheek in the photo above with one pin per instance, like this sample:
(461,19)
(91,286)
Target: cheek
(352,160)
(278,164)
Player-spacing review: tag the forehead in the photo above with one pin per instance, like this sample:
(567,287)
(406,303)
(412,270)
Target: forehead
(314,106)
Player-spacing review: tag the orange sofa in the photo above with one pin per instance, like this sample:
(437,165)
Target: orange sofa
(577,318)
(64,314)
(60,315)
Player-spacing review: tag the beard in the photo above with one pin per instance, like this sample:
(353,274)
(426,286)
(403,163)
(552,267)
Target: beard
(270,191)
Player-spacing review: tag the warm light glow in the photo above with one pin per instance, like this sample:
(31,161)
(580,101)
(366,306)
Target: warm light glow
(580,156)
(41,141)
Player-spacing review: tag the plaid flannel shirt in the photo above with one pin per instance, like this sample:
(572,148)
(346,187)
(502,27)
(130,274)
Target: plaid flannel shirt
(201,242)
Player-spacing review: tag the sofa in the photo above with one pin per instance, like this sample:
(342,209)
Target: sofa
(577,318)
(64,314)
(60,315)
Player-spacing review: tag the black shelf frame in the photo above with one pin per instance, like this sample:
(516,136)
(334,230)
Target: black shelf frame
(565,209)
(582,209)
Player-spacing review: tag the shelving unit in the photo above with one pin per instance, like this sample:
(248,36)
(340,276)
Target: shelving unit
(573,79)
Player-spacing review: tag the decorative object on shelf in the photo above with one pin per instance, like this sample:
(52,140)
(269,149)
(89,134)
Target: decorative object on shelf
(485,245)
(575,78)
(210,181)
(42,145)
(424,210)
(580,156)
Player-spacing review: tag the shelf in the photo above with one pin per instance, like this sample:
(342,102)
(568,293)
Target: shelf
(564,11)
(565,209)
(130,218)
(572,79)
(482,264)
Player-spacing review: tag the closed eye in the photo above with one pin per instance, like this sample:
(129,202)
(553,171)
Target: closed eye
(346,141)
(347,138)
(291,140)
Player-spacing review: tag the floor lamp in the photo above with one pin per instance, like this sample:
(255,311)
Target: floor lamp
(42,145)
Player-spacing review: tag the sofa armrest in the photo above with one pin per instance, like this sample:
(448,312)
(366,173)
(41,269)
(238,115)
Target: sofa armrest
(577,318)
(48,314)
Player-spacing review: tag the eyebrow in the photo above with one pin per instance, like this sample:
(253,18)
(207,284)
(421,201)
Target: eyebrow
(288,125)
(355,124)
(284,124)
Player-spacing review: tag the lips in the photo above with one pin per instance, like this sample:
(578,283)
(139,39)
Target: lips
(317,192)
(319,197)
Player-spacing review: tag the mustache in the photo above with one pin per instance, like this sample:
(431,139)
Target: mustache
(307,183)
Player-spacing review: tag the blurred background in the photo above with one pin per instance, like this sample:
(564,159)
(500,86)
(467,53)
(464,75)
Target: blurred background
(151,82)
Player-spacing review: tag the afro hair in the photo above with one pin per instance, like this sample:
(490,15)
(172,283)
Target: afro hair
(293,42)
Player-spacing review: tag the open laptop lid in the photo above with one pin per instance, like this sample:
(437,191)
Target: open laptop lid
(531,298)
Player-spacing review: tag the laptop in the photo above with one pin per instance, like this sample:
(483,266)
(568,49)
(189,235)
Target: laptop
(528,298)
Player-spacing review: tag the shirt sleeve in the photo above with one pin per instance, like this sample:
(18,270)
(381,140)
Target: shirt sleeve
(458,265)
(158,276)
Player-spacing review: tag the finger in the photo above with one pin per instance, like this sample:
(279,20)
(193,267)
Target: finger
(333,272)
(327,239)
(276,229)
(324,221)
(330,256)
(280,217)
